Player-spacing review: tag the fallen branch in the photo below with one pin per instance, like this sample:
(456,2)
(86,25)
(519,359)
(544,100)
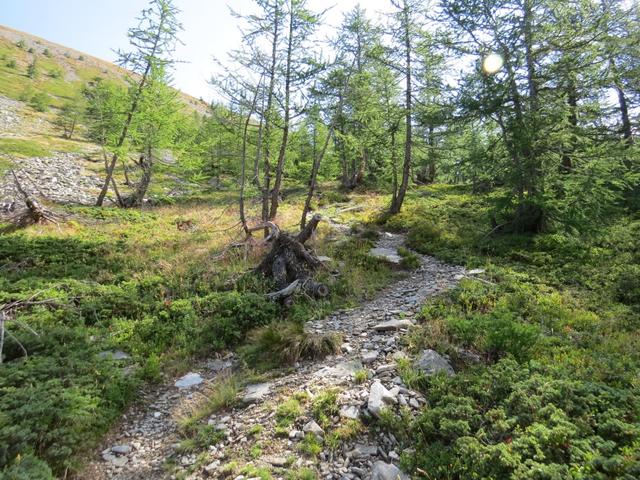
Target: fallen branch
(7,313)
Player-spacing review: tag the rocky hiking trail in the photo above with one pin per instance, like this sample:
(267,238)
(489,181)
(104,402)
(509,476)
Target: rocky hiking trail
(147,438)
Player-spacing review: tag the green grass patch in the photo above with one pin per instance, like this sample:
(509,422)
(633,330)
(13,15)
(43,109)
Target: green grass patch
(22,148)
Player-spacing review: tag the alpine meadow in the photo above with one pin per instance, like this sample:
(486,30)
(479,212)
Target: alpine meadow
(397,242)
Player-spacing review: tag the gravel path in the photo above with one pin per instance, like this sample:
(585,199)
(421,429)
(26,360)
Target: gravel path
(147,438)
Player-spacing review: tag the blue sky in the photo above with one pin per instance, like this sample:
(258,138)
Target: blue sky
(98,26)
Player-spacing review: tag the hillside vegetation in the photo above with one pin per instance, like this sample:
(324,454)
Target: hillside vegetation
(488,149)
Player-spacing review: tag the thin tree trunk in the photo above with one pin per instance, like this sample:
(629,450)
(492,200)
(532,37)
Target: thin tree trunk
(243,219)
(137,197)
(267,122)
(572,102)
(394,167)
(258,158)
(396,205)
(285,132)
(317,160)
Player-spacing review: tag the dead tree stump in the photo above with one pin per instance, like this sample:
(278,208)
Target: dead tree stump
(291,264)
(34,212)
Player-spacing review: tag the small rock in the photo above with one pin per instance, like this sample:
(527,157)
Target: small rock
(369,357)
(364,451)
(115,460)
(378,396)
(350,411)
(255,393)
(114,355)
(476,271)
(313,427)
(276,461)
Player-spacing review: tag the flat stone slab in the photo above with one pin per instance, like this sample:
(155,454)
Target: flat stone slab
(342,370)
(121,449)
(255,393)
(189,380)
(387,254)
(392,325)
(476,271)
(114,355)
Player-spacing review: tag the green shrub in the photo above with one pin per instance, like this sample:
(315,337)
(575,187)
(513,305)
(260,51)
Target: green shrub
(325,406)
(332,196)
(521,421)
(288,412)
(21,44)
(627,284)
(287,342)
(32,69)
(40,102)
(410,260)
(11,64)
(422,235)
(27,467)
(46,53)
(310,445)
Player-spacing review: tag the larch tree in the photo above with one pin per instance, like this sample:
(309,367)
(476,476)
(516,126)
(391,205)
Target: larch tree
(152,41)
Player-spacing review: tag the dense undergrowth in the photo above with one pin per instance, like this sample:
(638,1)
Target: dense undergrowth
(555,323)
(125,280)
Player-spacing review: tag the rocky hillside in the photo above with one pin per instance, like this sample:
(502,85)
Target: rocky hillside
(58,169)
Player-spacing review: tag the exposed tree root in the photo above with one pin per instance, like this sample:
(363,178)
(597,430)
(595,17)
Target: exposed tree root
(291,264)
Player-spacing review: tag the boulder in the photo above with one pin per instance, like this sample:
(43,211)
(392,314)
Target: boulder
(387,471)
(379,396)
(431,362)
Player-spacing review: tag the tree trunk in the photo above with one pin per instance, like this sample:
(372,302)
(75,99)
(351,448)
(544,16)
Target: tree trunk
(572,103)
(245,131)
(267,121)
(137,197)
(396,205)
(275,193)
(256,163)
(313,178)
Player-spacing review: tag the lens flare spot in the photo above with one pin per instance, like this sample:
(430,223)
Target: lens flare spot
(492,63)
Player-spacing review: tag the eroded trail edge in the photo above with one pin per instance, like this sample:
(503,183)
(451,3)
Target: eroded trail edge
(147,440)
